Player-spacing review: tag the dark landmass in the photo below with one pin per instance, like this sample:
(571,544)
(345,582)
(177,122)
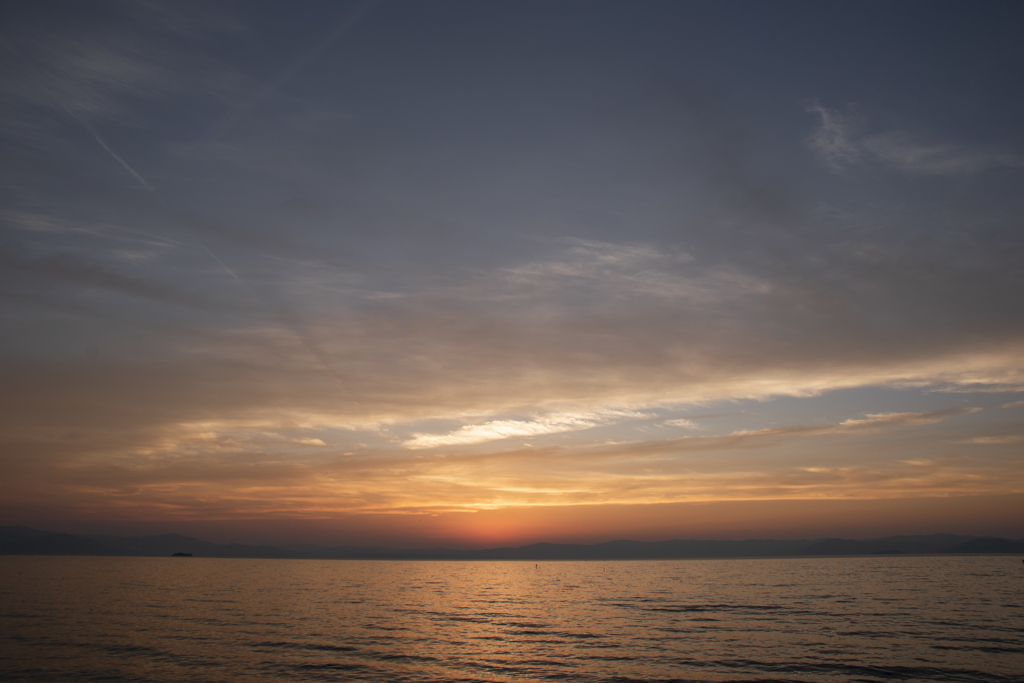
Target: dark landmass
(916,545)
(167,544)
(990,545)
(52,544)
(20,540)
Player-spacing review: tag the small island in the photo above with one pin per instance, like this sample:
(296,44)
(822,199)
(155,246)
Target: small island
(181,555)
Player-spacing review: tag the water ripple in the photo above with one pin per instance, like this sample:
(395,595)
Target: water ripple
(801,619)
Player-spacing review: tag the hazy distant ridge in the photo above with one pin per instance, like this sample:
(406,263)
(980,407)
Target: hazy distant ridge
(20,540)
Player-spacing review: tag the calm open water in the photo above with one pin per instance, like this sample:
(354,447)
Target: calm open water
(822,619)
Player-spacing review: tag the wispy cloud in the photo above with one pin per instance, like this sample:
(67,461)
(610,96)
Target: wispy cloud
(1006,439)
(883,420)
(345,23)
(835,138)
(70,268)
(101,69)
(683,422)
(759,438)
(34,221)
(623,270)
(504,429)
(903,151)
(269,466)
(841,140)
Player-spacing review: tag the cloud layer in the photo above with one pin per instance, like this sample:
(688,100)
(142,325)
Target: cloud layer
(841,140)
(381,260)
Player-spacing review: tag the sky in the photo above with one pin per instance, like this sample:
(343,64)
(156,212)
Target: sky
(486,273)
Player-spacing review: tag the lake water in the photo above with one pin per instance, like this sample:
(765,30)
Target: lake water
(821,619)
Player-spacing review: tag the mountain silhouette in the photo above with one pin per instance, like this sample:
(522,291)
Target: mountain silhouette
(20,540)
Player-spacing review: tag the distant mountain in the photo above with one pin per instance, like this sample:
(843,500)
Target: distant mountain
(937,543)
(15,532)
(52,544)
(168,544)
(20,540)
(646,550)
(989,545)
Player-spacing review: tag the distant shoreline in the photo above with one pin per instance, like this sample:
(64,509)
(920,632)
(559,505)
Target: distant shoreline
(19,540)
(524,560)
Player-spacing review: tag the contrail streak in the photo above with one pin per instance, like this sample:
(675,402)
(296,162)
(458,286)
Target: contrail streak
(222,265)
(82,122)
(92,131)
(232,119)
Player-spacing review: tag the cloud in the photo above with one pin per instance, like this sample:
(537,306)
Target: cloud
(840,141)
(345,23)
(882,420)
(256,466)
(421,288)
(504,429)
(999,440)
(71,269)
(759,438)
(902,151)
(1014,404)
(620,271)
(835,137)
(101,67)
(576,339)
(97,80)
(41,222)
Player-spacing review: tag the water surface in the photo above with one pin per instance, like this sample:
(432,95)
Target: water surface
(816,619)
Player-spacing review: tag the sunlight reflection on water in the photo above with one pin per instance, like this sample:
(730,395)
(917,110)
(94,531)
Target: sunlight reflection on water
(822,619)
